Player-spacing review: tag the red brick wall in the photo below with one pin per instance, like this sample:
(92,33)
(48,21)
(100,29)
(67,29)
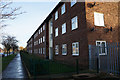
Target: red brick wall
(110,11)
(77,35)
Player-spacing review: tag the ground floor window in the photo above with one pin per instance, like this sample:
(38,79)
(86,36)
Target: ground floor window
(75,48)
(41,50)
(64,49)
(102,47)
(56,50)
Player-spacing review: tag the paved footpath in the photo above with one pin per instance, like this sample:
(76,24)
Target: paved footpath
(15,69)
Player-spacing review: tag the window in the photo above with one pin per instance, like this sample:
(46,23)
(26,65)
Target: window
(39,41)
(41,29)
(56,32)
(56,15)
(63,9)
(74,23)
(64,28)
(56,50)
(64,49)
(98,19)
(102,47)
(41,50)
(43,38)
(73,2)
(75,48)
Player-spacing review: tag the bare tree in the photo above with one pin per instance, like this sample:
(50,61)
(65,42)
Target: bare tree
(8,12)
(10,42)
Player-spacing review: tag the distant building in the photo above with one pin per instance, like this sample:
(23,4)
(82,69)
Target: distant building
(1,50)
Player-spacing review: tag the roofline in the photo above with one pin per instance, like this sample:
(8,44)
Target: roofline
(47,18)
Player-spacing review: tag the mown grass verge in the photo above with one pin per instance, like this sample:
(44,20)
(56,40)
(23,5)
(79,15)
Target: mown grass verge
(6,60)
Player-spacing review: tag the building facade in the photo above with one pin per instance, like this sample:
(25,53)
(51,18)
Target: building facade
(71,27)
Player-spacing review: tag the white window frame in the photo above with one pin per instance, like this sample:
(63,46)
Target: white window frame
(63,45)
(56,32)
(64,28)
(63,9)
(74,22)
(56,15)
(76,54)
(56,47)
(99,19)
(73,2)
(101,47)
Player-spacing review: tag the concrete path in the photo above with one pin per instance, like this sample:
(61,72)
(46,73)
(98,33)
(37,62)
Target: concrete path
(15,69)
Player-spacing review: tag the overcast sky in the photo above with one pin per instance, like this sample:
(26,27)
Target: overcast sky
(25,25)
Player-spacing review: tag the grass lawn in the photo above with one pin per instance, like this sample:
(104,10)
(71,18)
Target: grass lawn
(6,61)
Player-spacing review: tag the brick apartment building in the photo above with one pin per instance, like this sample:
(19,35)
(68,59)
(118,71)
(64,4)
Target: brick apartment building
(68,30)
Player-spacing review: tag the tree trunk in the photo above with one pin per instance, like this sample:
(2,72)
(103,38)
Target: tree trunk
(7,52)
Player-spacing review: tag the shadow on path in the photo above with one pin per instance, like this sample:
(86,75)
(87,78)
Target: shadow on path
(15,69)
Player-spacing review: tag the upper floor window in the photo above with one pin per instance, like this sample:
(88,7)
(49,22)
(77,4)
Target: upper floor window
(41,29)
(102,47)
(75,48)
(39,41)
(56,32)
(73,2)
(63,9)
(56,50)
(64,49)
(64,28)
(43,38)
(98,19)
(74,22)
(56,15)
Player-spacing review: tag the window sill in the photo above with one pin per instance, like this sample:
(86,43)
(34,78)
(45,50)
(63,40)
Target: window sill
(99,26)
(103,54)
(56,54)
(56,36)
(64,54)
(63,33)
(75,54)
(74,29)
